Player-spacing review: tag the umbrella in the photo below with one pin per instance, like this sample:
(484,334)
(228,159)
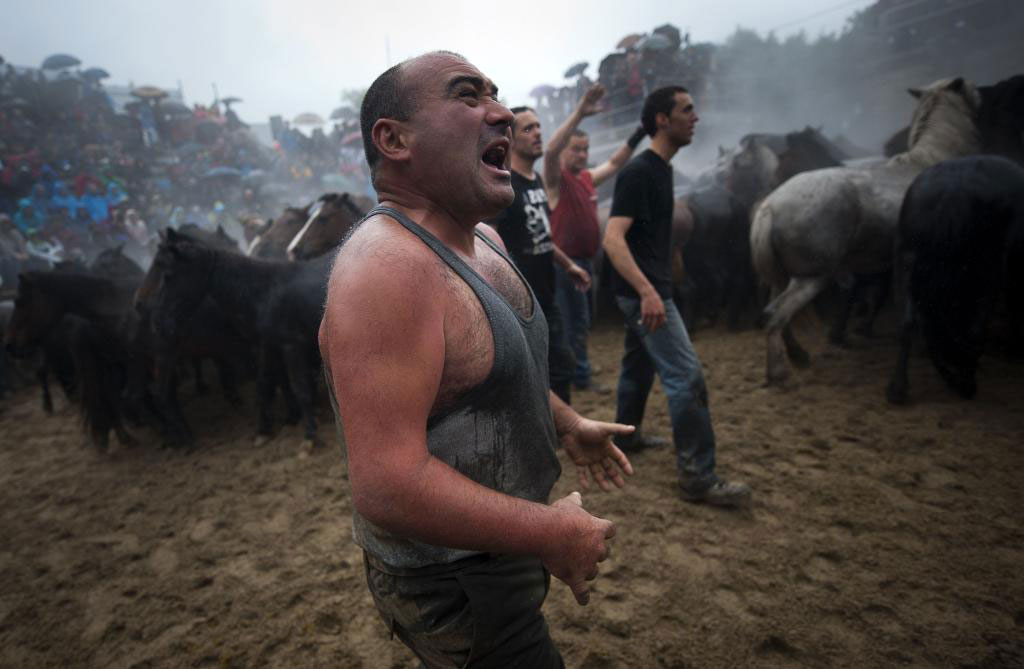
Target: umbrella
(60,60)
(576,69)
(671,32)
(308,118)
(230,101)
(343,114)
(542,91)
(95,73)
(255,176)
(629,41)
(149,93)
(656,42)
(222,172)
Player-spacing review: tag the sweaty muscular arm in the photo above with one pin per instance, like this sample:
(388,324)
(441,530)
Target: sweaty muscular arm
(651,307)
(383,339)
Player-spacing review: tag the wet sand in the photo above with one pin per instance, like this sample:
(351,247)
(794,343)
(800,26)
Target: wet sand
(878,536)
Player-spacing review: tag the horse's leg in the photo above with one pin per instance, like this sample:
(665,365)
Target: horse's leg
(197,368)
(266,382)
(178,432)
(883,290)
(299,376)
(897,392)
(780,311)
(848,297)
(228,380)
(43,374)
(797,354)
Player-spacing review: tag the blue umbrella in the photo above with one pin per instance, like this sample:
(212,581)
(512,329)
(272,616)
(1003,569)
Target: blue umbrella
(60,60)
(220,172)
(95,74)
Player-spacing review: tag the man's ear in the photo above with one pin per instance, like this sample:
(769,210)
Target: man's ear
(391,139)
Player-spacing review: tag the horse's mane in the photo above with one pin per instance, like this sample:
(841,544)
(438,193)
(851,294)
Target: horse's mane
(944,123)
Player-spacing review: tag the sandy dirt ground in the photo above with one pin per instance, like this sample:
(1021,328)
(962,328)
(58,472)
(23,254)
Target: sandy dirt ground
(877,537)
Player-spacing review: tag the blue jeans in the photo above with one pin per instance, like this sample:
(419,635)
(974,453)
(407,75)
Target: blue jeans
(668,352)
(575,308)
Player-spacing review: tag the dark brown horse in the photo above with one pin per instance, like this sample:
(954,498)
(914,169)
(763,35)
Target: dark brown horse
(309,232)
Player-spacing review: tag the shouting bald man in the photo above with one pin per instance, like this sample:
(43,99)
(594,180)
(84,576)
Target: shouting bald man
(436,355)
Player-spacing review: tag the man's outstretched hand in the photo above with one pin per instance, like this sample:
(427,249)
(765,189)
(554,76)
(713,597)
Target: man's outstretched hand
(589,445)
(574,560)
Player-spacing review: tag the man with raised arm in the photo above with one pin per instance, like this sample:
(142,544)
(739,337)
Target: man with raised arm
(638,243)
(435,352)
(572,196)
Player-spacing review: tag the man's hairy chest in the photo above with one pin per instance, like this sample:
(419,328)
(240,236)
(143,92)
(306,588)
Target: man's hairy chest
(469,341)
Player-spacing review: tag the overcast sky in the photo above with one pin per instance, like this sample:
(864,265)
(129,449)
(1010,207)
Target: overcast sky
(294,56)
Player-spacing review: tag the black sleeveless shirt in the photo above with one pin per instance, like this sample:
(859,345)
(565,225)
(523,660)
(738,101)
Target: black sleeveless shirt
(501,433)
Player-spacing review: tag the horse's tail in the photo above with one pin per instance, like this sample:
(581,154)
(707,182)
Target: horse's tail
(762,250)
(99,382)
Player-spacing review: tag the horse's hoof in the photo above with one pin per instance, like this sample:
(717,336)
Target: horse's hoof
(261,440)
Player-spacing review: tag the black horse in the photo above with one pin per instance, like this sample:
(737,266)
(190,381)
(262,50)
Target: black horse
(92,319)
(960,249)
(275,305)
(208,334)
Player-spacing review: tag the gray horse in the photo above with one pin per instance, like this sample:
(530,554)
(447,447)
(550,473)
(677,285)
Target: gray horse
(823,223)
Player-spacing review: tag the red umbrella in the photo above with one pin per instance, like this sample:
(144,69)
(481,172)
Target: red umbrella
(629,41)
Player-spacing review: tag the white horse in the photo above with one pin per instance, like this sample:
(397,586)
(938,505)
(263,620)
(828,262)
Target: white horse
(827,222)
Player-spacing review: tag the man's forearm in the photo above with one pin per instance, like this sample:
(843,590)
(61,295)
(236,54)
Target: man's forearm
(433,503)
(625,264)
(565,417)
(564,261)
(560,138)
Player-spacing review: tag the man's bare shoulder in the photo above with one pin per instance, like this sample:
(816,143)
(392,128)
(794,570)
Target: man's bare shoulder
(381,249)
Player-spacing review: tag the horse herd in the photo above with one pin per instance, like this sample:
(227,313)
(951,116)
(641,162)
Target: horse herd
(791,212)
(118,337)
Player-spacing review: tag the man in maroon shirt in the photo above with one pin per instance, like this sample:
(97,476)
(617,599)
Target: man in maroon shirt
(575,228)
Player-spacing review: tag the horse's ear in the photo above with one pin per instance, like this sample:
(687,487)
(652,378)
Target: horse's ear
(173,235)
(956,85)
(915,92)
(119,249)
(721,150)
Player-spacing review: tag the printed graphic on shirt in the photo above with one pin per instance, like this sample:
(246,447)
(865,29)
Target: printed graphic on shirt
(535,204)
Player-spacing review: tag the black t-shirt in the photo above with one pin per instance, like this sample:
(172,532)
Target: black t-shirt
(525,228)
(643,192)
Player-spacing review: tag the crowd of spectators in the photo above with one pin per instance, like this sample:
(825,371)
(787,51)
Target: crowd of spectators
(639,64)
(79,173)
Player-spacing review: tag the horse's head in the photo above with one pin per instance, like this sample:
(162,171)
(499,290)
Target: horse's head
(944,120)
(36,313)
(274,240)
(334,219)
(176,283)
(750,171)
(112,263)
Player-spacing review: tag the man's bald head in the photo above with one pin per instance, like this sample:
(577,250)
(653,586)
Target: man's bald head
(392,95)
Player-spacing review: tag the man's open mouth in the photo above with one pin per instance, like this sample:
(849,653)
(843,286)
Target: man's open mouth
(495,155)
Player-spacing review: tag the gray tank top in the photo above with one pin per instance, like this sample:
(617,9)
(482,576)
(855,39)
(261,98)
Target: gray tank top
(500,433)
